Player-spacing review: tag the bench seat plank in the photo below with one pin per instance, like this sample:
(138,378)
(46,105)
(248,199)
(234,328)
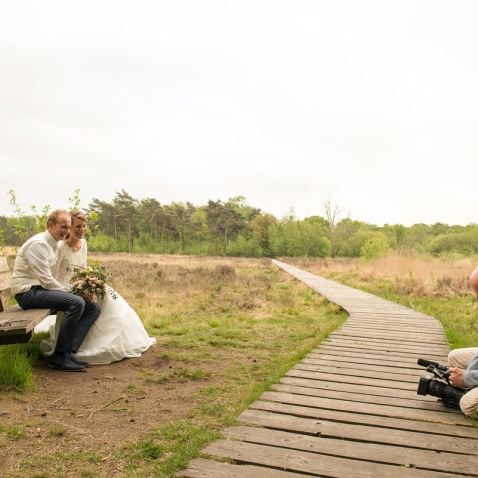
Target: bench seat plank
(16,325)
(15,320)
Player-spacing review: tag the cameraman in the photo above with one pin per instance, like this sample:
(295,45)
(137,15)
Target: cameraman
(464,367)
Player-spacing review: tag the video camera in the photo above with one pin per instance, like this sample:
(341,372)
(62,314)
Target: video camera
(438,384)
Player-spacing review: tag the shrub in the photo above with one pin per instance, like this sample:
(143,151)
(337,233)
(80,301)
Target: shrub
(375,247)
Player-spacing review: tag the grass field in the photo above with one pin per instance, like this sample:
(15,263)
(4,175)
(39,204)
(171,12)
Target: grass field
(226,329)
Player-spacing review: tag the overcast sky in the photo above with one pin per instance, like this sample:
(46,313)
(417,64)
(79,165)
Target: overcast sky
(284,102)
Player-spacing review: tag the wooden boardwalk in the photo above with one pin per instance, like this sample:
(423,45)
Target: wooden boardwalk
(350,408)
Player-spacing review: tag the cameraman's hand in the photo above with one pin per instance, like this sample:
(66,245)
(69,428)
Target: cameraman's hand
(456,377)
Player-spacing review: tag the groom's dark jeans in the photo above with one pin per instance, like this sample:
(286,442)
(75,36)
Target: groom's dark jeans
(80,314)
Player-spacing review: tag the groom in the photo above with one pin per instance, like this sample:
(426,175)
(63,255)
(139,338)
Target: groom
(34,287)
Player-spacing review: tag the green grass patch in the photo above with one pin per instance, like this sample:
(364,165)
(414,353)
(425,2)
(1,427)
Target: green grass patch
(56,431)
(15,432)
(166,450)
(16,364)
(59,465)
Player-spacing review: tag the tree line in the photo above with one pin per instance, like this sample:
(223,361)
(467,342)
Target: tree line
(234,228)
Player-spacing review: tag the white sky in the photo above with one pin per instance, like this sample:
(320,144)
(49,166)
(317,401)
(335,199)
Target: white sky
(283,102)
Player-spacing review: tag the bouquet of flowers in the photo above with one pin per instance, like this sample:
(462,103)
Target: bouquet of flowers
(90,282)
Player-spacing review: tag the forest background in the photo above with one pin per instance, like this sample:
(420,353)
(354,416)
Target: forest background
(235,228)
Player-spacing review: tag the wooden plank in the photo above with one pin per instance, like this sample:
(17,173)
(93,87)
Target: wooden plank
(357,359)
(371,344)
(16,324)
(390,334)
(402,313)
(413,323)
(400,320)
(11,314)
(15,321)
(202,468)
(358,349)
(382,307)
(320,364)
(402,360)
(404,332)
(383,338)
(427,459)
(350,388)
(313,464)
(377,304)
(363,370)
(367,408)
(383,350)
(377,327)
(414,317)
(442,427)
(392,331)
(352,379)
(393,337)
(353,396)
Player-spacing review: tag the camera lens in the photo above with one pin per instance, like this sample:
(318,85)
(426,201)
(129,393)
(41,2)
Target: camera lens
(436,388)
(448,394)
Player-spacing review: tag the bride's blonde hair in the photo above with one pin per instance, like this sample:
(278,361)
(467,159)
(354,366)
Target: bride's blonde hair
(76,214)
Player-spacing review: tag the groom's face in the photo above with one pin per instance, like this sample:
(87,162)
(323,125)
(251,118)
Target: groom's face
(62,227)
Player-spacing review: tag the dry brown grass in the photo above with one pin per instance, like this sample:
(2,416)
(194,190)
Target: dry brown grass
(411,274)
(158,286)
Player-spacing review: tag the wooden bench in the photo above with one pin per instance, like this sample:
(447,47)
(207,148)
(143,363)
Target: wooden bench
(16,324)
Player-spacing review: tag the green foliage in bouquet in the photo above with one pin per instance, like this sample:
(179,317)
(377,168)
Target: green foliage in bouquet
(90,282)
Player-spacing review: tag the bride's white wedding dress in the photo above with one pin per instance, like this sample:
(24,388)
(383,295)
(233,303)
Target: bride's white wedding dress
(118,331)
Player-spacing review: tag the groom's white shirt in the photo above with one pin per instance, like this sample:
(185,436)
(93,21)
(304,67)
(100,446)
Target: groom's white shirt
(33,264)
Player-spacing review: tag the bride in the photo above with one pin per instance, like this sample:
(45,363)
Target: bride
(118,332)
